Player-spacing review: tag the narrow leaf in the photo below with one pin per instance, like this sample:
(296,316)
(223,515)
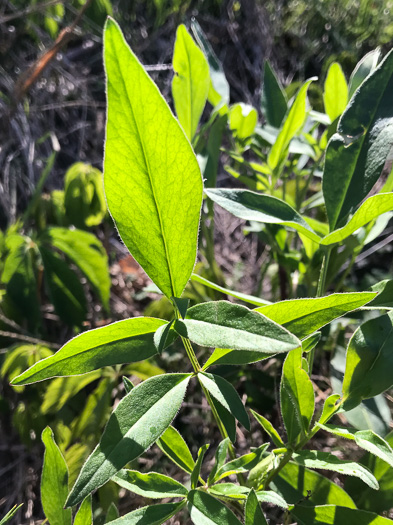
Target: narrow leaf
(296,396)
(335,95)
(303,316)
(226,395)
(54,482)
(310,342)
(220,458)
(151,515)
(242,464)
(292,124)
(112,513)
(151,485)
(206,510)
(227,420)
(136,423)
(125,341)
(325,461)
(149,168)
(269,429)
(334,515)
(191,82)
(222,324)
(8,517)
(258,207)
(174,446)
(198,465)
(369,361)
(372,208)
(273,99)
(253,514)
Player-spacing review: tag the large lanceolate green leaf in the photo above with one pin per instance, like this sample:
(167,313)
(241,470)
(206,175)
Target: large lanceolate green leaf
(372,208)
(368,369)
(296,396)
(326,461)
(273,99)
(191,82)
(335,96)
(125,341)
(335,515)
(137,422)
(54,482)
(296,483)
(206,510)
(303,316)
(151,515)
(151,485)
(87,253)
(252,206)
(221,324)
(357,154)
(292,124)
(152,180)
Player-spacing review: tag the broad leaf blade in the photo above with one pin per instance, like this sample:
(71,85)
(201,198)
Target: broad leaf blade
(151,405)
(206,510)
(356,155)
(384,298)
(253,514)
(325,461)
(273,99)
(369,361)
(54,482)
(372,208)
(334,515)
(363,68)
(151,485)
(174,446)
(303,316)
(221,324)
(335,95)
(151,174)
(296,396)
(151,515)
(125,341)
(258,207)
(191,82)
(226,395)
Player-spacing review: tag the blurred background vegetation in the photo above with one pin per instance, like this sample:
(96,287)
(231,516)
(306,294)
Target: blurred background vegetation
(62,267)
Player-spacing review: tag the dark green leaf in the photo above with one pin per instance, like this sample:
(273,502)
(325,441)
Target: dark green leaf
(273,99)
(112,513)
(137,422)
(128,384)
(269,429)
(326,461)
(253,514)
(242,464)
(206,510)
(121,342)
(149,168)
(161,337)
(384,298)
(174,446)
(220,458)
(151,485)
(226,395)
(310,342)
(369,361)
(227,419)
(252,206)
(151,515)
(181,305)
(334,515)
(198,464)
(54,482)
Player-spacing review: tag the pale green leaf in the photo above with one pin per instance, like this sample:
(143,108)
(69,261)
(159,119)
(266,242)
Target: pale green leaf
(368,211)
(303,316)
(151,515)
(292,124)
(368,369)
(241,464)
(242,120)
(310,342)
(258,207)
(121,342)
(191,82)
(326,461)
(335,515)
(269,429)
(84,516)
(151,174)
(296,396)
(274,103)
(151,485)
(335,96)
(220,457)
(174,446)
(206,510)
(195,474)
(226,395)
(8,517)
(363,68)
(137,422)
(54,482)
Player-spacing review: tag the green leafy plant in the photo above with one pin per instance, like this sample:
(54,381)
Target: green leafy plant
(154,192)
